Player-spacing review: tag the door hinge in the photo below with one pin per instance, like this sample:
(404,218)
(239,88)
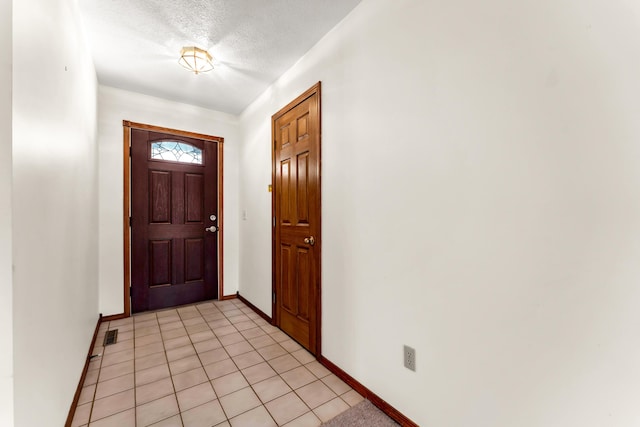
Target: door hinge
(274,297)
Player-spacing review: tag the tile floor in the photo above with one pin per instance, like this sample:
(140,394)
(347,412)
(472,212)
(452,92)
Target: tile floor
(208,364)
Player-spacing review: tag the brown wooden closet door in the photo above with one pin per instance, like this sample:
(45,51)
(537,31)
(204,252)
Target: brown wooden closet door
(174,259)
(296,131)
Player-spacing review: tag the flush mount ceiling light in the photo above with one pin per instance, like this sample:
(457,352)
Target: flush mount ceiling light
(195,59)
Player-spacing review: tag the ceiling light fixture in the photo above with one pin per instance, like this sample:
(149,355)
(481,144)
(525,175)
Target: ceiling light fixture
(195,59)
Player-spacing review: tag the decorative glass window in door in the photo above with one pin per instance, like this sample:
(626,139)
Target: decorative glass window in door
(175,151)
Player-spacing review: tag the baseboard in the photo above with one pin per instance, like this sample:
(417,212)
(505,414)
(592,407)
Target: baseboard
(227,297)
(254,308)
(392,412)
(111,317)
(76,397)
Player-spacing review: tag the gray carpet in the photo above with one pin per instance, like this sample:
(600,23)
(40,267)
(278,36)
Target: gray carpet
(364,414)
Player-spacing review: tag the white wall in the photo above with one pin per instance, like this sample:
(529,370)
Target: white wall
(55,215)
(480,203)
(116,105)
(6,306)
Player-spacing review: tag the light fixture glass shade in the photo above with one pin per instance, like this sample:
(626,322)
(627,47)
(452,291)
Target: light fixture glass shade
(195,59)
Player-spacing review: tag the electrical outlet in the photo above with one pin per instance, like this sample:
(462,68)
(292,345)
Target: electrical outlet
(409,358)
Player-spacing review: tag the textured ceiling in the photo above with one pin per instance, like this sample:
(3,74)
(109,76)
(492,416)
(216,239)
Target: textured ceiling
(136,44)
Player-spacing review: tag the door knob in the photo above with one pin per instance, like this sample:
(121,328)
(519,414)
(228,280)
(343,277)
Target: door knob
(212,229)
(310,240)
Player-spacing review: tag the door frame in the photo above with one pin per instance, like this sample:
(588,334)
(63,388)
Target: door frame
(126,224)
(313,90)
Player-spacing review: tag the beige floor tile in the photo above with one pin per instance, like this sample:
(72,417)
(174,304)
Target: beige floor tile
(280,336)
(330,409)
(184,365)
(119,346)
(247,359)
(195,319)
(195,396)
(141,332)
(81,417)
(147,339)
(213,316)
(113,386)
(262,341)
(238,318)
(218,369)
(269,329)
(253,333)
(149,349)
(150,361)
(307,420)
(271,388)
(209,357)
(223,424)
(169,320)
(303,356)
(113,371)
(122,419)
(112,405)
(284,363)
(198,327)
(118,324)
(232,312)
(243,326)
(153,391)
(95,364)
(208,345)
(315,394)
(257,417)
(317,369)
(86,394)
(125,335)
(174,421)
(91,377)
(156,410)
(224,330)
(229,383)
(352,397)
(175,323)
(286,408)
(150,375)
(336,384)
(115,358)
(238,402)
(272,351)
(174,333)
(146,323)
(219,323)
(209,414)
(238,348)
(170,344)
(189,379)
(142,317)
(180,352)
(202,336)
(298,377)
(256,373)
(233,338)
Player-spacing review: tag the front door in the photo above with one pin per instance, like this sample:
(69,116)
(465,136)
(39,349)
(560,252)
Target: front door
(174,210)
(296,202)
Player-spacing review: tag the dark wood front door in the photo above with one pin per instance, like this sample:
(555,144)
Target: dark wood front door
(174,213)
(296,201)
